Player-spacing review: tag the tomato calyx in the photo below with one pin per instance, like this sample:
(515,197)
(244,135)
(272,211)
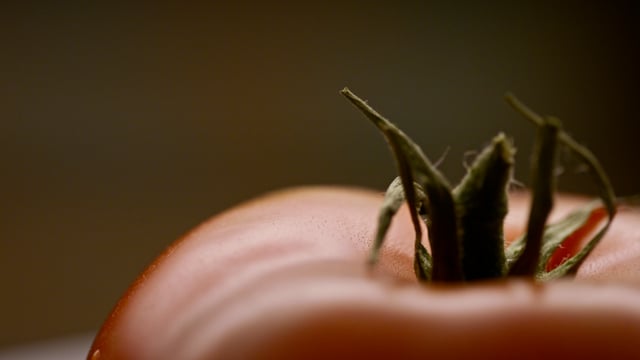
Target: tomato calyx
(465,223)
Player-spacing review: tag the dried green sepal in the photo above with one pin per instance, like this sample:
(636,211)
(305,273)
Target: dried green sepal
(481,206)
(542,166)
(423,263)
(557,235)
(607,195)
(600,177)
(414,166)
(393,200)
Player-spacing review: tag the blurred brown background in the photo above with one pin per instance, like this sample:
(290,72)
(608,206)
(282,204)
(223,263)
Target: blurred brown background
(123,126)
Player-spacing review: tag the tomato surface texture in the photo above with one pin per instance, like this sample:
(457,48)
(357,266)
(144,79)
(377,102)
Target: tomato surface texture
(284,277)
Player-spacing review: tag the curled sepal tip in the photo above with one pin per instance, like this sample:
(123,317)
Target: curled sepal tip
(393,200)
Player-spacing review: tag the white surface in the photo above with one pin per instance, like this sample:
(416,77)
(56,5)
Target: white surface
(68,348)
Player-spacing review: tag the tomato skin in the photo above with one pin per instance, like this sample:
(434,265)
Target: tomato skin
(283,277)
(348,317)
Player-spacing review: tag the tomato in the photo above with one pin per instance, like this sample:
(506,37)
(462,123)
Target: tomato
(284,277)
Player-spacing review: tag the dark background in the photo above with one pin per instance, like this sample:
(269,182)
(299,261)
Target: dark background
(123,126)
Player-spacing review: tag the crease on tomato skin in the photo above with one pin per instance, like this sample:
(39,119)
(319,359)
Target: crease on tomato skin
(295,311)
(258,212)
(215,300)
(218,298)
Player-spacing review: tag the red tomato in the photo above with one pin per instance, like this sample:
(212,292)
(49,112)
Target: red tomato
(283,277)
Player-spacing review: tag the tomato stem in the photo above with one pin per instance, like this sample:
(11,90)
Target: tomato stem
(465,225)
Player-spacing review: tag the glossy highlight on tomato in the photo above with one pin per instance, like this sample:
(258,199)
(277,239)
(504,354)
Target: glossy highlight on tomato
(284,277)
